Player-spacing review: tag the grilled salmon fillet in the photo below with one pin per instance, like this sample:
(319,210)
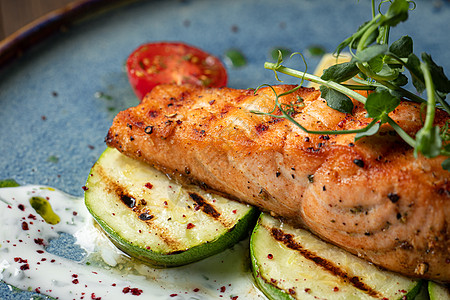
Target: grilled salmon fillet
(371,197)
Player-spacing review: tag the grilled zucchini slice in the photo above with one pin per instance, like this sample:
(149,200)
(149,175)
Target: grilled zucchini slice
(438,291)
(153,218)
(291,263)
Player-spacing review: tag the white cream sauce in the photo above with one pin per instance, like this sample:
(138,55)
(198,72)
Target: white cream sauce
(102,271)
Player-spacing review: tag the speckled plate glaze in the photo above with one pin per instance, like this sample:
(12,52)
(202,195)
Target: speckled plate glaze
(58,99)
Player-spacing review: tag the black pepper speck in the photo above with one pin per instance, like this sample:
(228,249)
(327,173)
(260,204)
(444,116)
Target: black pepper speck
(393,197)
(358,162)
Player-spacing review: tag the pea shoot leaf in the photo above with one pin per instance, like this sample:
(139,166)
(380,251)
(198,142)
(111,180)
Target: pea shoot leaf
(371,52)
(413,65)
(340,72)
(446,164)
(370,131)
(402,47)
(428,142)
(376,63)
(397,12)
(380,104)
(440,81)
(336,100)
(388,73)
(401,80)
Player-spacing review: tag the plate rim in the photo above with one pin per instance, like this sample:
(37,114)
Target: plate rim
(56,21)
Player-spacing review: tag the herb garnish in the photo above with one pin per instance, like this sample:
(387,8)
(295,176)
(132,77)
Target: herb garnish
(380,68)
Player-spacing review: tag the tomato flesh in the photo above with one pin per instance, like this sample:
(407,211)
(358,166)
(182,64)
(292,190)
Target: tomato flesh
(156,63)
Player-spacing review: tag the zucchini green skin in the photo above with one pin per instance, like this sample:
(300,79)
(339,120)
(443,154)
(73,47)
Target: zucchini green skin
(4,183)
(284,273)
(438,291)
(115,175)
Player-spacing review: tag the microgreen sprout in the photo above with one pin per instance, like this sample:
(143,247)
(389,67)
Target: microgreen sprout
(380,67)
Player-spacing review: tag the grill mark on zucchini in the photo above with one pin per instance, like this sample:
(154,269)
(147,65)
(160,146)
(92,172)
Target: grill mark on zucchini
(127,200)
(288,241)
(122,193)
(204,206)
(209,209)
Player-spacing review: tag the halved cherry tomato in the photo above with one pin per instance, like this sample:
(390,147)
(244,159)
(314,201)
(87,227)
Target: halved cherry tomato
(173,62)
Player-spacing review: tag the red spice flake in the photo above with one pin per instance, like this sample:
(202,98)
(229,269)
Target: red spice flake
(113,284)
(75,275)
(85,188)
(52,261)
(165,202)
(173,295)
(32,217)
(9,206)
(25,267)
(234,211)
(190,226)
(75,281)
(40,251)
(21,207)
(196,290)
(37,290)
(20,260)
(93,297)
(39,241)
(335,289)
(270,256)
(222,289)
(307,290)
(75,213)
(133,291)
(234,298)
(273,280)
(291,291)
(149,185)
(136,292)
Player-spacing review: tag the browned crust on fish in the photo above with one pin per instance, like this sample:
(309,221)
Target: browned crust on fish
(371,197)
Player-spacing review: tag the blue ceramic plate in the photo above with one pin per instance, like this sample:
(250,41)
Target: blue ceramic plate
(58,99)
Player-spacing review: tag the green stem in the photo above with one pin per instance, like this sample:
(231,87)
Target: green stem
(431,103)
(444,105)
(413,97)
(362,42)
(316,79)
(290,119)
(373,9)
(405,136)
(359,87)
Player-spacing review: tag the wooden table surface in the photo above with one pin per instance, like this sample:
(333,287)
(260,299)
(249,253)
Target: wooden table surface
(15,14)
